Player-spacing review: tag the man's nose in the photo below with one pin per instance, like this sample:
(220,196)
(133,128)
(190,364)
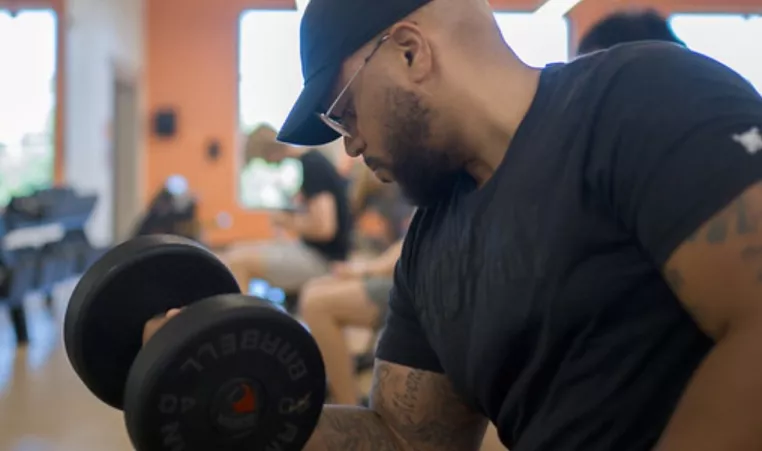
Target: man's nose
(354,146)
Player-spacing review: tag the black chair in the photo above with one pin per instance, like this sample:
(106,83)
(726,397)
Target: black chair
(24,279)
(38,258)
(52,270)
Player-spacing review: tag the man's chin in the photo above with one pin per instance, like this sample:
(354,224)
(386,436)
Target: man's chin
(383,175)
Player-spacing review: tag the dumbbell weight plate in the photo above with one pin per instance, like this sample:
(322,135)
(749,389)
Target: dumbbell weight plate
(130,284)
(229,373)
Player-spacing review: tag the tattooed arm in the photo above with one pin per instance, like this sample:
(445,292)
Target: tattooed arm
(673,163)
(717,274)
(410,410)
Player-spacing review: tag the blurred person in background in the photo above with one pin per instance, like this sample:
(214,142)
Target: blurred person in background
(627,26)
(380,203)
(321,221)
(356,294)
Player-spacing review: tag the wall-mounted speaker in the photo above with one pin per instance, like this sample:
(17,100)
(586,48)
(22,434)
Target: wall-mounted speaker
(165,123)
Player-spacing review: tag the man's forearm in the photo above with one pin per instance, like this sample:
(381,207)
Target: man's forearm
(352,428)
(722,406)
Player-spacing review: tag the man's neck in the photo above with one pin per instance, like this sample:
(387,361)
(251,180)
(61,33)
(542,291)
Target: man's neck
(501,102)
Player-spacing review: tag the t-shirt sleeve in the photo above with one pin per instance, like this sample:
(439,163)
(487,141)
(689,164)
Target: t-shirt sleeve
(316,175)
(684,139)
(403,340)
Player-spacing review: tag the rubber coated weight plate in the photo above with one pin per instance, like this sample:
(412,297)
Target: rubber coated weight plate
(126,287)
(229,373)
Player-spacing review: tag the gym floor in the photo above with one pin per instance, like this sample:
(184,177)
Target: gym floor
(44,406)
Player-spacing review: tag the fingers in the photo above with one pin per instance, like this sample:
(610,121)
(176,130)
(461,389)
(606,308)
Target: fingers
(173,312)
(157,322)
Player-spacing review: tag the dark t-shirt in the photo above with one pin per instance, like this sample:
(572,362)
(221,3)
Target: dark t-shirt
(540,294)
(320,176)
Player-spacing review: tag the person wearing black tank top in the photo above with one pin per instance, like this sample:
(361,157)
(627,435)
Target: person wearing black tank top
(321,220)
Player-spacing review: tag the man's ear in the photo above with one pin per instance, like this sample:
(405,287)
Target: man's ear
(413,49)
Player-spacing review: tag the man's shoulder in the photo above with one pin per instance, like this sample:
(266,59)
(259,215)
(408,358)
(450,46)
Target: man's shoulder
(637,50)
(648,84)
(623,75)
(656,70)
(644,55)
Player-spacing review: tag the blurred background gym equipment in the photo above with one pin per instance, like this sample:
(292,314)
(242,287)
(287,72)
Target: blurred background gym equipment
(42,243)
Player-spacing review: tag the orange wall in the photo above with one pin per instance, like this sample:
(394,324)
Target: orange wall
(192,66)
(58,7)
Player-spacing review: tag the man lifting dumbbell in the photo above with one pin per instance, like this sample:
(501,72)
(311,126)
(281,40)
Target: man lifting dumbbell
(583,269)
(592,286)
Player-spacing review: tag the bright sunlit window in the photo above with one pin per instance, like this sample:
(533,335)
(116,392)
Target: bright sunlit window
(537,40)
(270,81)
(733,39)
(270,68)
(27,101)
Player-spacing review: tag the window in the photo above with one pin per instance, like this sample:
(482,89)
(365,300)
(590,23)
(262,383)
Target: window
(27,102)
(270,81)
(733,39)
(538,41)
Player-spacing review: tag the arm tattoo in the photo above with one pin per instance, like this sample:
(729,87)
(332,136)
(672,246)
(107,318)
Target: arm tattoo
(737,220)
(411,410)
(742,219)
(356,429)
(423,409)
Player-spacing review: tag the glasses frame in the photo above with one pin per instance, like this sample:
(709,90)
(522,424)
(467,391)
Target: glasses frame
(335,122)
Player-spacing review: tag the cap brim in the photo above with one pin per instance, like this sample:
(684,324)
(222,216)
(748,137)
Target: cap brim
(303,126)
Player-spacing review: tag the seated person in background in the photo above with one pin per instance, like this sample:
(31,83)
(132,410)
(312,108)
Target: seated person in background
(173,210)
(323,224)
(356,294)
(370,195)
(627,26)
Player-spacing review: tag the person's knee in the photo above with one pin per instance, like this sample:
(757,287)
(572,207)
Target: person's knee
(312,299)
(239,260)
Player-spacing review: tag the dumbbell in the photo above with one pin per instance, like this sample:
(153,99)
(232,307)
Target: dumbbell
(228,373)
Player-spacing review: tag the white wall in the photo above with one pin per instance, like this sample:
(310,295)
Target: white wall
(102,35)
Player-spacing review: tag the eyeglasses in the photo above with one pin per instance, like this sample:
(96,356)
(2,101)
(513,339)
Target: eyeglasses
(335,122)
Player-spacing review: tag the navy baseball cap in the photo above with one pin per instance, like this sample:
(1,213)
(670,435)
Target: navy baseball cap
(331,31)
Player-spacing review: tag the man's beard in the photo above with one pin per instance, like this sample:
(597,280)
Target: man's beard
(425,173)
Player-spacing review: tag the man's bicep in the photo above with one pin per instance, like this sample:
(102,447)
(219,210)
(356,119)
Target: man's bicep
(410,390)
(717,271)
(404,340)
(423,409)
